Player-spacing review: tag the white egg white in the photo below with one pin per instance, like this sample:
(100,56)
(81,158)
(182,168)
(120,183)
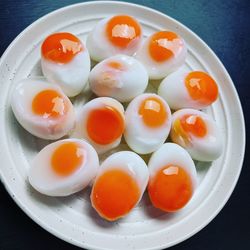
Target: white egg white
(72,76)
(40,126)
(122,84)
(130,162)
(101,48)
(159,70)
(81,124)
(172,154)
(139,137)
(207,148)
(44,179)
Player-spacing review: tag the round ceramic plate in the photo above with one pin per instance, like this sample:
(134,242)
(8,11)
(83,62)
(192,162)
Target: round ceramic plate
(72,219)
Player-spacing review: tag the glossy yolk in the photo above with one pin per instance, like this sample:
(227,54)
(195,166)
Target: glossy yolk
(48,103)
(121,30)
(115,65)
(61,47)
(170,189)
(201,87)
(194,125)
(105,125)
(114,194)
(163,45)
(153,112)
(67,158)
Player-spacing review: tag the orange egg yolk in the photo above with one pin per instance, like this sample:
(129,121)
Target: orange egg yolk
(170,189)
(105,125)
(115,65)
(201,87)
(194,125)
(67,158)
(114,194)
(163,45)
(153,112)
(61,47)
(48,103)
(121,30)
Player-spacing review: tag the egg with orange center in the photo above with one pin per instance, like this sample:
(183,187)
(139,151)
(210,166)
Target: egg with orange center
(148,122)
(198,133)
(42,108)
(120,34)
(101,122)
(65,61)
(194,89)
(63,167)
(162,53)
(119,185)
(172,178)
(121,77)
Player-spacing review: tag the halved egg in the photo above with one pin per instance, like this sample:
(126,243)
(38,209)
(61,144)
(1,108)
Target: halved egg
(148,122)
(64,167)
(42,108)
(101,122)
(194,89)
(65,61)
(121,77)
(162,53)
(119,185)
(197,133)
(120,34)
(172,178)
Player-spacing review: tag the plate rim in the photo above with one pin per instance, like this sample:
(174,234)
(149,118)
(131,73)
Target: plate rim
(226,197)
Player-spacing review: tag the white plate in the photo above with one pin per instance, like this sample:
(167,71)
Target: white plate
(72,219)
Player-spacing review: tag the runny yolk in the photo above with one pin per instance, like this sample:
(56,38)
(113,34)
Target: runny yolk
(153,112)
(170,189)
(121,30)
(48,103)
(105,125)
(114,194)
(163,45)
(201,87)
(61,47)
(194,125)
(67,158)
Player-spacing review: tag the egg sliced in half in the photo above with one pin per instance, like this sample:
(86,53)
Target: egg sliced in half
(197,133)
(64,167)
(172,178)
(121,77)
(148,122)
(162,53)
(101,122)
(119,185)
(120,34)
(65,61)
(42,108)
(195,89)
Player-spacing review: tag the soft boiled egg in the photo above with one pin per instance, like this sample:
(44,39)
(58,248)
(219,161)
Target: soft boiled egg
(65,61)
(64,167)
(162,53)
(42,108)
(148,122)
(119,185)
(197,133)
(195,89)
(119,34)
(101,122)
(121,77)
(172,177)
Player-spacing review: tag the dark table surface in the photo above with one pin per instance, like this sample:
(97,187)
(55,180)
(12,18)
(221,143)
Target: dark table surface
(224,26)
